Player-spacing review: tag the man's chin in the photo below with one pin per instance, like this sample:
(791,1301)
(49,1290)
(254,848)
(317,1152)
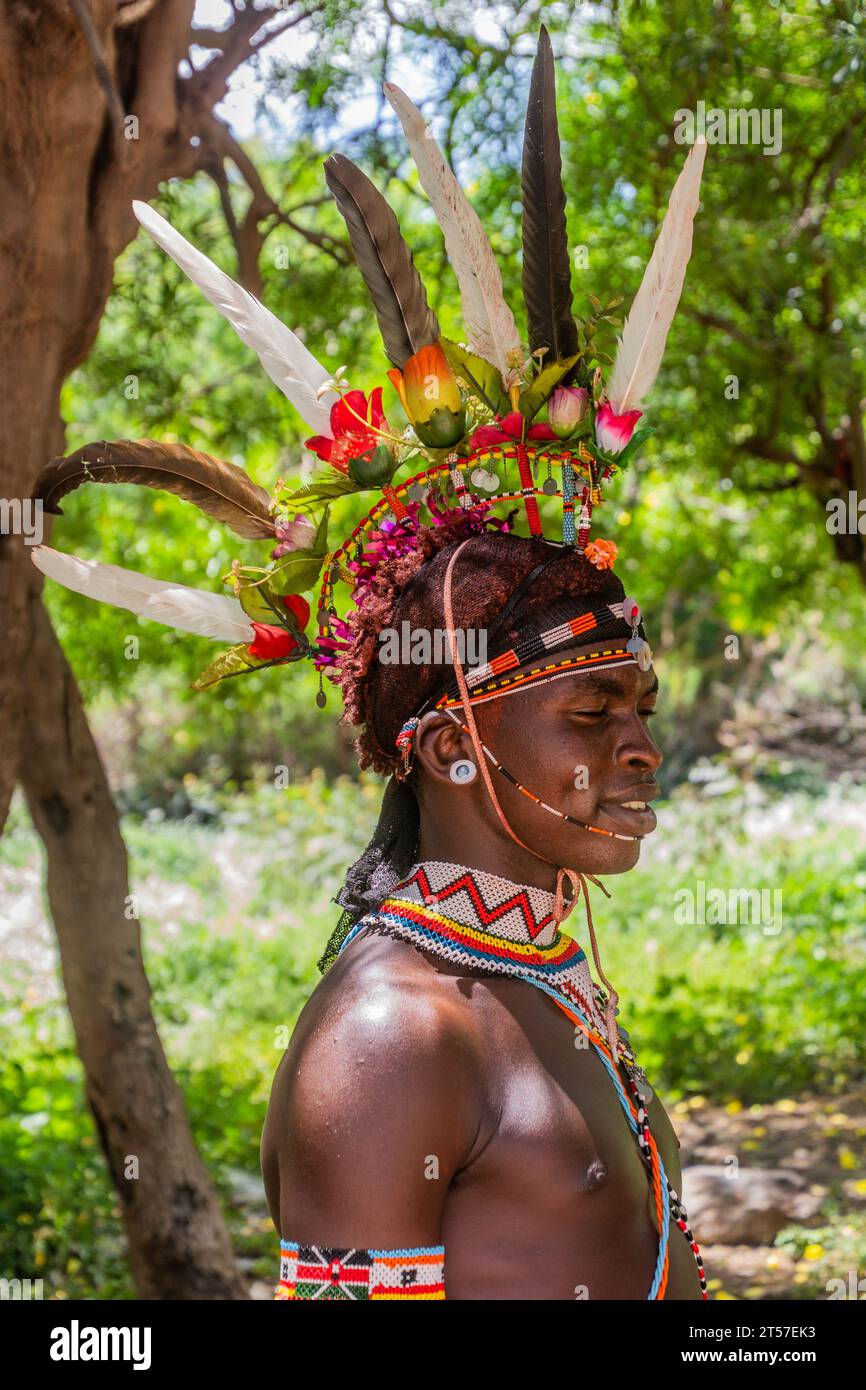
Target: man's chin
(602,856)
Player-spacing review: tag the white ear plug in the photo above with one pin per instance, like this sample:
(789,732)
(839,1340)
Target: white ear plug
(464,770)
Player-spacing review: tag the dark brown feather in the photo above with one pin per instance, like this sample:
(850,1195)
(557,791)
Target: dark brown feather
(546,266)
(406,321)
(220,489)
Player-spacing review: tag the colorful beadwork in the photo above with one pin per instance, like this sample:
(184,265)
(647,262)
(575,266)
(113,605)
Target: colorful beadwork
(567,504)
(550,960)
(405,740)
(320,1271)
(393,498)
(542,642)
(540,675)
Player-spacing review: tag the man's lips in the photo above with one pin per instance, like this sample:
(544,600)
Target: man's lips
(629,811)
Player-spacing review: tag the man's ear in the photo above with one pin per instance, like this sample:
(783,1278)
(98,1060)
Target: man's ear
(438,744)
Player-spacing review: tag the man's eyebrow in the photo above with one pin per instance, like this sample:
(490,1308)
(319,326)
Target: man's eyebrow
(607,685)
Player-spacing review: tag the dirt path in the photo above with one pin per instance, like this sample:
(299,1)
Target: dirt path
(823,1142)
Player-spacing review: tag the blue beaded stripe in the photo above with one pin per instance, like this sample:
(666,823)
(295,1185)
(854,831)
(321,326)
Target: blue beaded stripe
(633,1126)
(615,1078)
(291,1247)
(550,968)
(567,504)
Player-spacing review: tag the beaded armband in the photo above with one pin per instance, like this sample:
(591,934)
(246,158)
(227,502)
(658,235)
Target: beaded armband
(320,1271)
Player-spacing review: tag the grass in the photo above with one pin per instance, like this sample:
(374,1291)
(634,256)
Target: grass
(235,914)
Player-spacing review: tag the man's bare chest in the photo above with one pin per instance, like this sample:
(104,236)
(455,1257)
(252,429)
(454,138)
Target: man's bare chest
(556,1172)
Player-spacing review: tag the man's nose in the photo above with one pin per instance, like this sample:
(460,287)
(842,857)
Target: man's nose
(639,752)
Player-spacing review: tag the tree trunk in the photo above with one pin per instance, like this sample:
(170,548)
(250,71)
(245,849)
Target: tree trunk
(68,175)
(179,1246)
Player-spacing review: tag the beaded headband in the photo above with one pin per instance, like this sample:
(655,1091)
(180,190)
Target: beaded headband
(494,427)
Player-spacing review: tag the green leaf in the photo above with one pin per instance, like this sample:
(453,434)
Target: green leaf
(253,599)
(482,377)
(634,443)
(533,398)
(299,570)
(320,490)
(232,662)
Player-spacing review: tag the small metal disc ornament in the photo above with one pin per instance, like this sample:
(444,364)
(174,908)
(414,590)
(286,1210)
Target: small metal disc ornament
(480,478)
(549,487)
(416,493)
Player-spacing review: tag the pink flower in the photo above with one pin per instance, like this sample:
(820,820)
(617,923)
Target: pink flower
(508,431)
(293,535)
(612,432)
(566,408)
(331,649)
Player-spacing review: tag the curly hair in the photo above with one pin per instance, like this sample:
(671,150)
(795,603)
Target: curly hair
(492,567)
(507,585)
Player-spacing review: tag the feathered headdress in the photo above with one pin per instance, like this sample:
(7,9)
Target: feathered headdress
(493,424)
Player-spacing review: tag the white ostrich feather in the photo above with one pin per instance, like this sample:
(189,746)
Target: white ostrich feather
(187,610)
(490,326)
(282,354)
(645,331)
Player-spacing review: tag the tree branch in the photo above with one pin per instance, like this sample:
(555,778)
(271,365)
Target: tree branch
(210,83)
(81,10)
(219,141)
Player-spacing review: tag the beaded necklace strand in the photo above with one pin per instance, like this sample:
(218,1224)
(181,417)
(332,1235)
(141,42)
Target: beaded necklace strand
(562,815)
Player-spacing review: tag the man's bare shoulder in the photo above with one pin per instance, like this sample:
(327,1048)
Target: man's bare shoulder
(384,1011)
(382,1066)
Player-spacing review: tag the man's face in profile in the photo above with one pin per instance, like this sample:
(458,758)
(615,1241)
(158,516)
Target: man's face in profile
(582,744)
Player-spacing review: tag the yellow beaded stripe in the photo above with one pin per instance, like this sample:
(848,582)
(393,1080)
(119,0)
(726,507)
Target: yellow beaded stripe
(563,947)
(491,689)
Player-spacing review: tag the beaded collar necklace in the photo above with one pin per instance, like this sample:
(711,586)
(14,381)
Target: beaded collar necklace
(480,920)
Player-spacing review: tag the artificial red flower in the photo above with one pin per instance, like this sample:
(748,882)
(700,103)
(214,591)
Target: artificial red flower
(352,437)
(272,643)
(508,431)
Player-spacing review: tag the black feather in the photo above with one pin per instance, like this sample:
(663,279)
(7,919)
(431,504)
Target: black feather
(546,266)
(406,321)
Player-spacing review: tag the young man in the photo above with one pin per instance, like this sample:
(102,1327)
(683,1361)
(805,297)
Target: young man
(426,1104)
(458,1113)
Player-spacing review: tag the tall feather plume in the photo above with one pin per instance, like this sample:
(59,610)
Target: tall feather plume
(188,610)
(490,326)
(288,363)
(645,331)
(220,489)
(406,321)
(546,266)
